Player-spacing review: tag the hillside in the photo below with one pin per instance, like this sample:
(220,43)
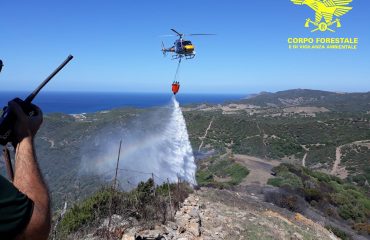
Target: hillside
(297,208)
(237,145)
(306,127)
(326,132)
(214,214)
(340,102)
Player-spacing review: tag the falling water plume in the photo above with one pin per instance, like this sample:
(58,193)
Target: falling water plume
(154,142)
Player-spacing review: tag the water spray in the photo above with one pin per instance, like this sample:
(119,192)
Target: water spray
(157,142)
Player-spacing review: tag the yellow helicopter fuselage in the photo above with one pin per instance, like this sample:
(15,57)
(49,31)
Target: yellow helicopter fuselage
(184,47)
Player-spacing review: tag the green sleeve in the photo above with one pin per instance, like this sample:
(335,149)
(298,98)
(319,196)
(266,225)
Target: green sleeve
(15,210)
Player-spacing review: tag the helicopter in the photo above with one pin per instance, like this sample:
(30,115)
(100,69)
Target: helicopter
(181,48)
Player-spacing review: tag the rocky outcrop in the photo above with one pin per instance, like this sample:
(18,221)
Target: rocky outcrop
(212,214)
(186,225)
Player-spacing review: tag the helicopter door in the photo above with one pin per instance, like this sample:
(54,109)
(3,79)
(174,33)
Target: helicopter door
(178,46)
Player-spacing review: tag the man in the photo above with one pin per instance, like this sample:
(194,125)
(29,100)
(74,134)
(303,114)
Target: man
(25,204)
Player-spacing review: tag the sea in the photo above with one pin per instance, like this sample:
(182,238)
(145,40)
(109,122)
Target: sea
(87,102)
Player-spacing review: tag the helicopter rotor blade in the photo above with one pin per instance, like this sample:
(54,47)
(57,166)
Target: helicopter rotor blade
(179,34)
(168,35)
(200,34)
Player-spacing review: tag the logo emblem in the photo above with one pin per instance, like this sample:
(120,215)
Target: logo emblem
(325,9)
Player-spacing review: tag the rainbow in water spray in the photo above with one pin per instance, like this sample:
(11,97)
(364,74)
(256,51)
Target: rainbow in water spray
(157,143)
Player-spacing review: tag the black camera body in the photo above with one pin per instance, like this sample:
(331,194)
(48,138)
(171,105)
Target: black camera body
(8,118)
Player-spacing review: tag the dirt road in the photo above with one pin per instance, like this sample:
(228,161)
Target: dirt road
(304,160)
(205,134)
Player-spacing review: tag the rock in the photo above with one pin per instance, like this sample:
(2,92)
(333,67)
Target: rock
(194,213)
(132,221)
(170,235)
(296,236)
(172,225)
(116,220)
(181,229)
(90,237)
(114,227)
(194,227)
(128,236)
(149,234)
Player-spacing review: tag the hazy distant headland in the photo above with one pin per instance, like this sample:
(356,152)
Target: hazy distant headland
(89,102)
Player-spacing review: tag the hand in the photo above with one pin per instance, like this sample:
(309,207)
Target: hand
(25,126)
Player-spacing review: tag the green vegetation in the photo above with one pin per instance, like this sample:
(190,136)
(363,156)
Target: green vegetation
(249,145)
(279,148)
(329,194)
(285,178)
(348,102)
(357,161)
(338,232)
(87,211)
(146,205)
(263,131)
(220,172)
(322,154)
(277,137)
(266,130)
(198,123)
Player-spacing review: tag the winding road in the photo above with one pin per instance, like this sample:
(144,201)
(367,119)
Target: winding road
(304,160)
(341,171)
(205,135)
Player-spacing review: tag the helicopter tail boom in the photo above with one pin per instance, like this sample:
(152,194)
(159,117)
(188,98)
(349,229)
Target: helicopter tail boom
(166,50)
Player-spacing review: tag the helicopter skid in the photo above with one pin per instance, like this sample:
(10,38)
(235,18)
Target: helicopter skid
(180,56)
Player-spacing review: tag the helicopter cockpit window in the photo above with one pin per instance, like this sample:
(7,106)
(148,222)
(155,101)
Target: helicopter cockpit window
(186,43)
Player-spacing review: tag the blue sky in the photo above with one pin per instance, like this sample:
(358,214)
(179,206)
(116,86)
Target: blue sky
(116,45)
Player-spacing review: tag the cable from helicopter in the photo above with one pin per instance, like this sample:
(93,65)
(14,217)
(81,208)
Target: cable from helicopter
(176,83)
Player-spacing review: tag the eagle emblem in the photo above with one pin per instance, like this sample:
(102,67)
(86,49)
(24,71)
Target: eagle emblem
(326,9)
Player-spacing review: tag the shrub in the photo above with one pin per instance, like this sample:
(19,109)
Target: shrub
(312,194)
(329,194)
(349,207)
(204,177)
(276,182)
(237,173)
(84,212)
(362,228)
(221,167)
(285,177)
(149,205)
(338,232)
(285,199)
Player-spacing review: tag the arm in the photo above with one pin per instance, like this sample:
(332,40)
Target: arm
(28,178)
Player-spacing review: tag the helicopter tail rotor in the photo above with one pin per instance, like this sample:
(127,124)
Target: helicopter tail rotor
(164,51)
